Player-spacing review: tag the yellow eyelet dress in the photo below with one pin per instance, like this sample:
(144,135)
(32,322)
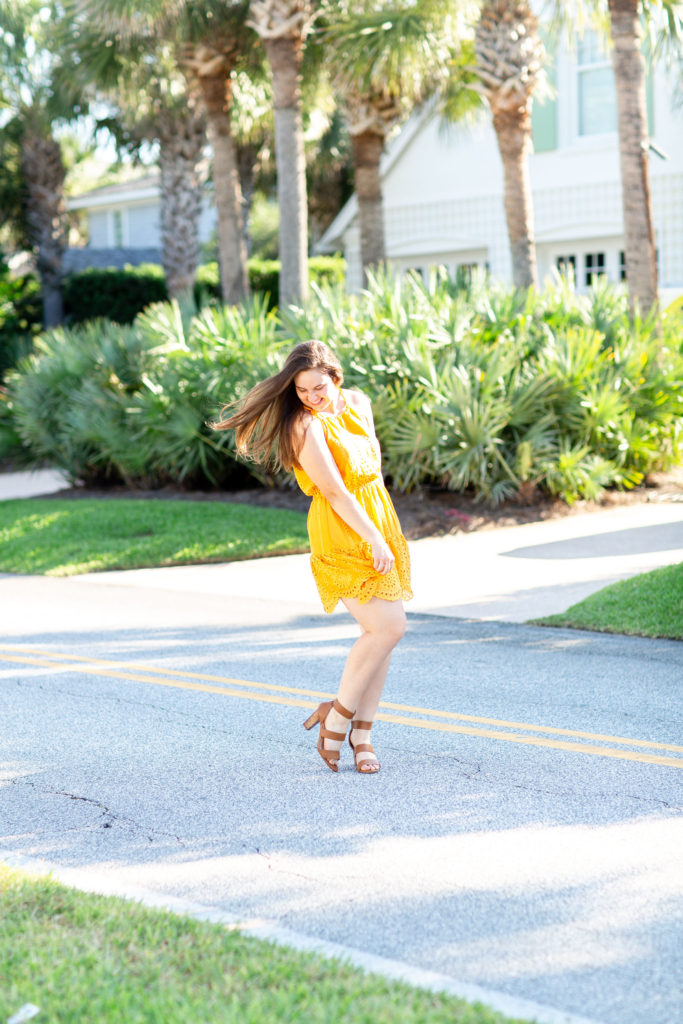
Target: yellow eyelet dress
(340,559)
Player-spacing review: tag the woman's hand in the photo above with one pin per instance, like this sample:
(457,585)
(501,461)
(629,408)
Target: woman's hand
(382,557)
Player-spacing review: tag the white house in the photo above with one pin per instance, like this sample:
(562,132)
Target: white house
(443,184)
(123,223)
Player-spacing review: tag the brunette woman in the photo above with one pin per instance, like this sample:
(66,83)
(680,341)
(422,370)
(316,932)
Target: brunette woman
(302,419)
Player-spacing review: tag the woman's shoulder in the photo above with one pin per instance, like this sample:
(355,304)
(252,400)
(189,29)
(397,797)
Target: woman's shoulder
(357,400)
(305,425)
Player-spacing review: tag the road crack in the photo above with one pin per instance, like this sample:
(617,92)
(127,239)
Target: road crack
(108,817)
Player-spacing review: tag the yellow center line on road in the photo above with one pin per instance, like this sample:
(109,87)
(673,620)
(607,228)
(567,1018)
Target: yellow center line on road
(178,679)
(537,741)
(177,684)
(410,708)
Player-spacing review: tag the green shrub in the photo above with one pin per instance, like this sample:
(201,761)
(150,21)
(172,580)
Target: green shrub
(20,317)
(675,308)
(118,294)
(207,284)
(327,271)
(480,387)
(264,277)
(475,387)
(107,403)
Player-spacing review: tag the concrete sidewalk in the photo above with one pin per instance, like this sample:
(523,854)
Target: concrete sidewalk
(509,574)
(512,574)
(31,484)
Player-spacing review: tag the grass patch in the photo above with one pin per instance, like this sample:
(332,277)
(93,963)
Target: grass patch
(81,957)
(647,605)
(59,537)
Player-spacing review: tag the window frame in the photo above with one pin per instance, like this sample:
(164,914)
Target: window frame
(600,61)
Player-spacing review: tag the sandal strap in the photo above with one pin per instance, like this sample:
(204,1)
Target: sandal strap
(327,735)
(363,748)
(365,726)
(344,712)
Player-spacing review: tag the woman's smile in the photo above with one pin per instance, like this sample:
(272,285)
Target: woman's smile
(316,390)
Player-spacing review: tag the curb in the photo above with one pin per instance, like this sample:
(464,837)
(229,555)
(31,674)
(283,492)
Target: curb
(270,931)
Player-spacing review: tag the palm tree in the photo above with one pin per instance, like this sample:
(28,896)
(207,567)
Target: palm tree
(662,20)
(28,88)
(383,60)
(509,60)
(210,40)
(182,171)
(629,77)
(219,42)
(283,26)
(153,103)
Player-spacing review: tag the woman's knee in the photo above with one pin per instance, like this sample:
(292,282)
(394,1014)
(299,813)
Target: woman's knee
(394,627)
(384,621)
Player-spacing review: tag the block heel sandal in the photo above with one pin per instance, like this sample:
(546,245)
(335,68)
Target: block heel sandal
(330,757)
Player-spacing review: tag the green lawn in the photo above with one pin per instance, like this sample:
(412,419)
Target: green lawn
(647,605)
(61,537)
(81,957)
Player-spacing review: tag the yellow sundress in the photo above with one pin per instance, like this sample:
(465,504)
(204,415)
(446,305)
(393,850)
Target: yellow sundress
(341,560)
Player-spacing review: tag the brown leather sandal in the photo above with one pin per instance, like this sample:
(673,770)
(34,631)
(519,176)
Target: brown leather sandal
(361,748)
(330,757)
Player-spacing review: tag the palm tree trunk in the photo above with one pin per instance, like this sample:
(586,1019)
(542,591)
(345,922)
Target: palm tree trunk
(182,141)
(232,251)
(629,76)
(513,132)
(367,153)
(285,58)
(43,172)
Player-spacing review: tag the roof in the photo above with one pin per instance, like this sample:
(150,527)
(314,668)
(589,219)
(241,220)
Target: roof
(144,187)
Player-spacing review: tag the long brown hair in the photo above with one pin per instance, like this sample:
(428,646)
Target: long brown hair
(265,423)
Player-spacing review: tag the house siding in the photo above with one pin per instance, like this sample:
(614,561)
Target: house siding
(119,224)
(443,193)
(98,229)
(143,224)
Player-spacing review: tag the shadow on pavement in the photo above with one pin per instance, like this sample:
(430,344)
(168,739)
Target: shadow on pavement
(636,541)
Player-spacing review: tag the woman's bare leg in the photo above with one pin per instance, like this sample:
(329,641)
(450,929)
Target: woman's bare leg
(382,625)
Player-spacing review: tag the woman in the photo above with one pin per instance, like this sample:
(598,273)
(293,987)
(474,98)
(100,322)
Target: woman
(301,419)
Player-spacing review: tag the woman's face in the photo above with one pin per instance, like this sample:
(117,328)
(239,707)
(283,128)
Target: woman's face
(316,389)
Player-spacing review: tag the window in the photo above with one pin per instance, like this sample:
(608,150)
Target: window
(117,224)
(594,263)
(464,272)
(544,111)
(597,101)
(566,265)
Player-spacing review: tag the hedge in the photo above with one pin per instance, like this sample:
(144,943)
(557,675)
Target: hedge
(120,294)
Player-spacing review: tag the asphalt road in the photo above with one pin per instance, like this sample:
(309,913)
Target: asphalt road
(524,834)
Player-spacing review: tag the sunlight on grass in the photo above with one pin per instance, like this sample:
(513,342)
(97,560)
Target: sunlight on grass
(81,957)
(60,537)
(647,605)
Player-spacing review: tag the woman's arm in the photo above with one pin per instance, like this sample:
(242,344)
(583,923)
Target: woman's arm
(315,458)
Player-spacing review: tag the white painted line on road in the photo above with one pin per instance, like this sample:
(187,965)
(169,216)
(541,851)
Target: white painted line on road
(270,931)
